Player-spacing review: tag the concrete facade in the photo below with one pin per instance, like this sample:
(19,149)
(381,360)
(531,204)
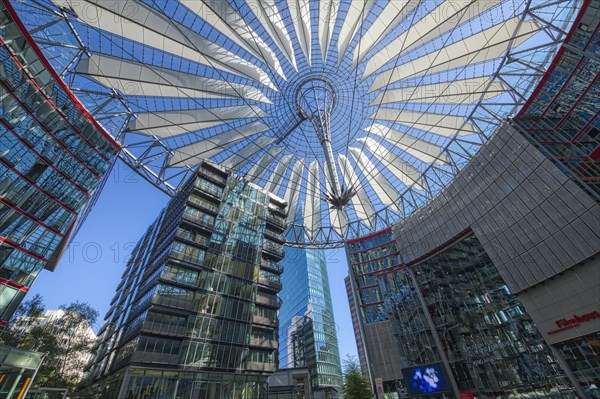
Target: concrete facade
(533,221)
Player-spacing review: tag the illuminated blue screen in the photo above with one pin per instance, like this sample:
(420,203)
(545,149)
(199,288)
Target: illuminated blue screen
(425,379)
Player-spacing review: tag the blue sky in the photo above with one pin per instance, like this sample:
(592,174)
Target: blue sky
(91,268)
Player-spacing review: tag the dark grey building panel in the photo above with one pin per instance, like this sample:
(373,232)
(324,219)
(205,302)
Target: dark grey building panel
(519,204)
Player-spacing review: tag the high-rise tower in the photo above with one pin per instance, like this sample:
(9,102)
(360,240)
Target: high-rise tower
(195,314)
(307,336)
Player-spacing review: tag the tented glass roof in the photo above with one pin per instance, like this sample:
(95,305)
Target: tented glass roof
(354,112)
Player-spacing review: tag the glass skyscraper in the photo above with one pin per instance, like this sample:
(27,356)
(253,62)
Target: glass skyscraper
(195,314)
(307,335)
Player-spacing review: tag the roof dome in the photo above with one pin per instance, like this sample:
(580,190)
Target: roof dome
(355,112)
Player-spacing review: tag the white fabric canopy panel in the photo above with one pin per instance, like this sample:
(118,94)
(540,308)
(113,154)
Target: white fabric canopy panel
(443,18)
(468,51)
(224,18)
(260,167)
(385,190)
(138,79)
(300,12)
(147,26)
(267,13)
(172,123)
(274,183)
(362,203)
(464,91)
(405,172)
(210,146)
(421,149)
(312,209)
(292,191)
(442,124)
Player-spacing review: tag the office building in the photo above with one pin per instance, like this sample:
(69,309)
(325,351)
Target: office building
(493,288)
(360,345)
(53,157)
(307,332)
(482,269)
(195,314)
(74,337)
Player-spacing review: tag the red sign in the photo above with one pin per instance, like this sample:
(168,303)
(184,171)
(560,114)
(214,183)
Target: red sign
(467,395)
(575,321)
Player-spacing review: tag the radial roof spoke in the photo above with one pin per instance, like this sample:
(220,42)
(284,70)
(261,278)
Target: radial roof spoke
(357,12)
(276,179)
(260,167)
(361,202)
(292,191)
(445,17)
(140,23)
(357,112)
(328,11)
(267,13)
(245,154)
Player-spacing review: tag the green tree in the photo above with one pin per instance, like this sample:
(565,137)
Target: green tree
(356,385)
(66,340)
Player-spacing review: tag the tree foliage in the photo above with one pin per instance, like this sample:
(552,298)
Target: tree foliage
(64,340)
(356,385)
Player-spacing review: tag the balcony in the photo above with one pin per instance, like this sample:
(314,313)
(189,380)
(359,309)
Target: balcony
(148,357)
(256,366)
(186,257)
(277,222)
(203,204)
(265,321)
(164,329)
(278,210)
(199,221)
(193,238)
(274,236)
(271,267)
(275,250)
(274,302)
(263,343)
(212,176)
(273,285)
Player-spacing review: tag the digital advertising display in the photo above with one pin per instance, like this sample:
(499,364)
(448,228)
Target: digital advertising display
(426,379)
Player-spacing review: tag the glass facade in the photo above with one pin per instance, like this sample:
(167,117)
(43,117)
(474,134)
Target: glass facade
(307,335)
(17,370)
(561,117)
(53,157)
(582,354)
(199,294)
(454,308)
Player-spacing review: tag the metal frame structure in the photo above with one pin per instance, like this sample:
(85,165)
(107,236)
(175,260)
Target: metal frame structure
(419,87)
